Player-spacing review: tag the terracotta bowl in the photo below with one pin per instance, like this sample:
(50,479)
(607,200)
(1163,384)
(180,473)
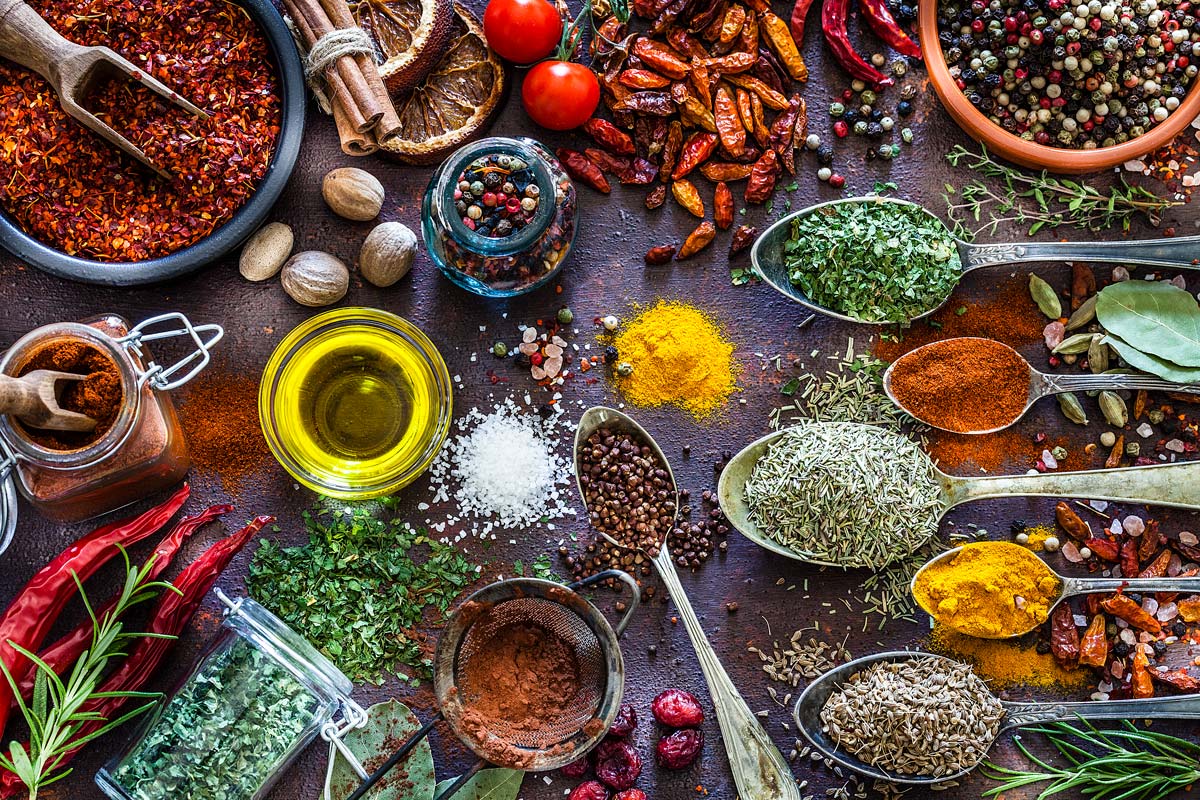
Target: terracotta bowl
(1028,154)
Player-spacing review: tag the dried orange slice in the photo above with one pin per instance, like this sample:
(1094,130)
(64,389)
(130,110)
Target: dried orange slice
(455,102)
(410,36)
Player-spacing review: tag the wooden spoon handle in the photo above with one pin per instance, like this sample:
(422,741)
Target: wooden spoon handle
(21,399)
(29,40)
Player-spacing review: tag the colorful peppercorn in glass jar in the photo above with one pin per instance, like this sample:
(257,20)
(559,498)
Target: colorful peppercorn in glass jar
(258,696)
(499,216)
(137,446)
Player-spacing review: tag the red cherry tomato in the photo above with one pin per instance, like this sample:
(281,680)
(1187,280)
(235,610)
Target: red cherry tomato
(522,31)
(560,95)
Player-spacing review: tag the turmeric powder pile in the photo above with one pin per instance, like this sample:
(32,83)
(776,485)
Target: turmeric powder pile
(679,357)
(991,590)
(1008,664)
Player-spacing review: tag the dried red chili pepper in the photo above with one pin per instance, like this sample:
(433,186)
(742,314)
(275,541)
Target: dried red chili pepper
(748,38)
(796,21)
(616,166)
(1093,649)
(1129,558)
(657,256)
(732,64)
(833,24)
(668,16)
(659,58)
(670,151)
(725,171)
(1157,568)
(729,125)
(745,109)
(743,237)
(1083,285)
(762,178)
(1104,549)
(762,134)
(694,114)
(731,25)
(688,196)
(583,170)
(880,18)
(1072,523)
(1148,542)
(758,6)
(776,32)
(695,151)
(722,206)
(32,613)
(783,129)
(642,79)
(768,69)
(701,81)
(684,44)
(801,126)
(711,32)
(1141,684)
(657,196)
(697,240)
(1120,605)
(656,103)
(609,136)
(1114,455)
(610,32)
(1189,608)
(705,16)
(1064,637)
(770,97)
(1178,678)
(62,654)
(641,173)
(171,616)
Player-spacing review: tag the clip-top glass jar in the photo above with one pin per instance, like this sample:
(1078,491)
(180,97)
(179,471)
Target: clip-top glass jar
(142,450)
(259,695)
(499,216)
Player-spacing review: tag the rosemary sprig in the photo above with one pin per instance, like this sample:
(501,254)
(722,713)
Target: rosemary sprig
(1041,200)
(1127,763)
(56,713)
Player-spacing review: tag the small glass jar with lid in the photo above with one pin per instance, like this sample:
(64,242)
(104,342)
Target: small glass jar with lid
(499,216)
(256,698)
(141,447)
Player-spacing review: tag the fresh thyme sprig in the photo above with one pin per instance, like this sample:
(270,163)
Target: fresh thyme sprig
(1126,763)
(1041,200)
(56,712)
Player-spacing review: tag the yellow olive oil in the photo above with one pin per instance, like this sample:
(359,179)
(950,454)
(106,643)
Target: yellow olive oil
(358,408)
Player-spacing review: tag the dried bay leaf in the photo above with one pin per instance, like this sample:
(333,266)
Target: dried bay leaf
(1146,362)
(1157,318)
(388,724)
(488,784)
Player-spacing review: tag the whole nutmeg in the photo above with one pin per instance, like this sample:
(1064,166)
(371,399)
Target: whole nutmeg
(387,254)
(313,278)
(266,251)
(353,193)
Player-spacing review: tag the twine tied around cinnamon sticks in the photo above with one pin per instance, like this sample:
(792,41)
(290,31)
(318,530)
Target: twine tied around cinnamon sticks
(341,70)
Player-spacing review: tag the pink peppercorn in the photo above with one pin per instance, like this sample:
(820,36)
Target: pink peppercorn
(841,129)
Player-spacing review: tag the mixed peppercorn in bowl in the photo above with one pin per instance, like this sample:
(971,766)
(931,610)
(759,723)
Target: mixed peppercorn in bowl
(1070,85)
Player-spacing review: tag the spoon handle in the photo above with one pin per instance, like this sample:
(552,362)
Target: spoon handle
(1175,485)
(1179,252)
(1057,384)
(1078,586)
(759,769)
(1181,707)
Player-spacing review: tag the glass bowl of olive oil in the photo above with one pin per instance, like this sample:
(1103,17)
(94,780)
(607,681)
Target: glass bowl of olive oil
(355,403)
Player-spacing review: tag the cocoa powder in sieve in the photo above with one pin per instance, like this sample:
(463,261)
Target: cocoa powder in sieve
(531,674)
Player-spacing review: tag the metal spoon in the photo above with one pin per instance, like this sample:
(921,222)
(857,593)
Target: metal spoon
(1041,384)
(807,715)
(759,769)
(33,399)
(1070,587)
(1176,485)
(767,255)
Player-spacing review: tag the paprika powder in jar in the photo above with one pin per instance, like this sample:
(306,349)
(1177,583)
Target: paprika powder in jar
(137,446)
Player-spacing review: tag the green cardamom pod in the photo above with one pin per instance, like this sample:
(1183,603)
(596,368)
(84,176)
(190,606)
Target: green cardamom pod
(1045,297)
(1084,314)
(1097,354)
(1072,409)
(1073,345)
(1114,409)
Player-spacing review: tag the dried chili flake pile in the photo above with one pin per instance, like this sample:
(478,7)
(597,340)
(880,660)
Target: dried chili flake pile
(78,194)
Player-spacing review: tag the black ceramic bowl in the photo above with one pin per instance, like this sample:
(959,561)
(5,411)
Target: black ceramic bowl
(240,226)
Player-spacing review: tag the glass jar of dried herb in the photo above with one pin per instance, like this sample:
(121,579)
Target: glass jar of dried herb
(137,446)
(258,696)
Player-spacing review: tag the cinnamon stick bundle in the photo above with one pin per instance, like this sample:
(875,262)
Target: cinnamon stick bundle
(362,108)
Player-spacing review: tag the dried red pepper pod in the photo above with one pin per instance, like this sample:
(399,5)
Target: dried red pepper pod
(743,237)
(697,240)
(33,612)
(1093,649)
(1123,606)
(796,21)
(1104,549)
(659,58)
(670,151)
(725,171)
(723,206)
(658,256)
(729,125)
(609,136)
(695,151)
(1064,637)
(762,178)
(834,14)
(1158,567)
(880,18)
(657,196)
(1129,557)
(583,170)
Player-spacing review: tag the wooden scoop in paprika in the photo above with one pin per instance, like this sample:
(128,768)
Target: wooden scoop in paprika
(73,70)
(33,398)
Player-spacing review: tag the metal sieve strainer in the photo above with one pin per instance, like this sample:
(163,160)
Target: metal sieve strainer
(554,740)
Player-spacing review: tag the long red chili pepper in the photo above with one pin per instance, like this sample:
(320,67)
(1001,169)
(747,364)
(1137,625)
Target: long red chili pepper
(796,23)
(30,616)
(880,18)
(66,651)
(171,616)
(833,25)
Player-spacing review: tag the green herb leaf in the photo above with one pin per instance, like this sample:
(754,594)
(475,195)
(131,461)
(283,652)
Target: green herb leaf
(1164,369)
(388,724)
(789,388)
(487,784)
(1157,318)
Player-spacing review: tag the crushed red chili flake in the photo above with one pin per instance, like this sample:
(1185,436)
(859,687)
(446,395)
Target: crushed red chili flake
(75,192)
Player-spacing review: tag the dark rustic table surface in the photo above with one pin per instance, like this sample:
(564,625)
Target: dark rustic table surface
(605,275)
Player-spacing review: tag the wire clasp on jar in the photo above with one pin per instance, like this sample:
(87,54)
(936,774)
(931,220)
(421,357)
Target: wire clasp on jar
(164,378)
